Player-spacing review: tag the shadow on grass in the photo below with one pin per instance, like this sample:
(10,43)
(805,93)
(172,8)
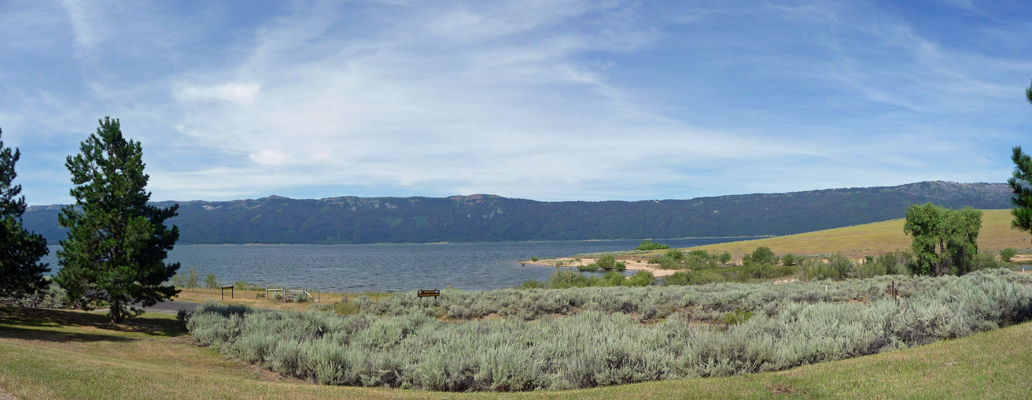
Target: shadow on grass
(14,332)
(33,322)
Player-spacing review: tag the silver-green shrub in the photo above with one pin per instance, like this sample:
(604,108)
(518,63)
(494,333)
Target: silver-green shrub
(587,337)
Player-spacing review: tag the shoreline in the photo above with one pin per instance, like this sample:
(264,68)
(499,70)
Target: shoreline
(633,264)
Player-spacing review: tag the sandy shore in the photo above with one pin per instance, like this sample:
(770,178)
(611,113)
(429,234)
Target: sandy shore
(634,264)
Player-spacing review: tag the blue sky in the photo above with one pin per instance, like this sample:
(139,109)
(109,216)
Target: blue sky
(564,100)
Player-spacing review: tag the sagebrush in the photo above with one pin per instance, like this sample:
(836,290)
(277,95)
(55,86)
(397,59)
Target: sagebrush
(586,337)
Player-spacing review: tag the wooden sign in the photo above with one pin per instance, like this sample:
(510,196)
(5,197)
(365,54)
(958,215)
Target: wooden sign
(428,293)
(224,292)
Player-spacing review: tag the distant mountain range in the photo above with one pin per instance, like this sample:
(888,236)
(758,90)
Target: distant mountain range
(487,218)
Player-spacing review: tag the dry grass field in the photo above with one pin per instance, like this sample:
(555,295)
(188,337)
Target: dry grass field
(874,239)
(249,298)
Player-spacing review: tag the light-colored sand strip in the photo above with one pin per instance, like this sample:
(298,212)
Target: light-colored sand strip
(632,264)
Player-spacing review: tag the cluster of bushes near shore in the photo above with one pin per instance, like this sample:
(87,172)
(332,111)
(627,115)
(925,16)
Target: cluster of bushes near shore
(699,267)
(586,337)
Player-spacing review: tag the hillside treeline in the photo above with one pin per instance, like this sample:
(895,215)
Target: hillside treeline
(485,218)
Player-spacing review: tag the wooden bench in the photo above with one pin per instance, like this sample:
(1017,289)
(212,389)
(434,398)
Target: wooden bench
(435,293)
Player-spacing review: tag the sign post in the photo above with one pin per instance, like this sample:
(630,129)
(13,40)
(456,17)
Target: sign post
(224,292)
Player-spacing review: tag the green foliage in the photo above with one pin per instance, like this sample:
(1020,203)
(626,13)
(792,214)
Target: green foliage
(51,296)
(641,278)
(1007,253)
(117,243)
(725,258)
(1021,186)
(648,245)
(838,267)
(179,280)
(706,277)
(895,263)
(589,268)
(702,254)
(763,255)
(676,259)
(21,273)
(191,280)
(534,259)
(613,279)
(987,261)
(788,260)
(678,278)
(562,279)
(620,266)
(210,282)
(737,317)
(762,264)
(945,241)
(606,262)
(399,342)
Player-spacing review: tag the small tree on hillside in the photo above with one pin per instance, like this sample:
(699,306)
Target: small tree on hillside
(763,255)
(945,241)
(20,251)
(117,243)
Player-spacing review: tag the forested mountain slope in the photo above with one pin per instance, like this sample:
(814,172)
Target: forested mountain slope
(486,218)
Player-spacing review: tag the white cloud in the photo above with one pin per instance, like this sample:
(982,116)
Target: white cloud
(545,100)
(81,16)
(270,157)
(239,93)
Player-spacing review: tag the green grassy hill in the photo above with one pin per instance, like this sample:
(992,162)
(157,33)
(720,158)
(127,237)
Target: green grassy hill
(875,238)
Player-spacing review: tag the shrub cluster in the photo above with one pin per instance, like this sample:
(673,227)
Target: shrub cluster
(596,340)
(693,260)
(606,263)
(838,266)
(1006,254)
(51,296)
(648,245)
(563,279)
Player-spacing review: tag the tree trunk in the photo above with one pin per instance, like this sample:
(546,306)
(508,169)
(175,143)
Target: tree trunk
(115,310)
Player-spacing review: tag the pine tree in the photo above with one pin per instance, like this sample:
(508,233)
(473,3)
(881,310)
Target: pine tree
(117,243)
(1021,185)
(20,251)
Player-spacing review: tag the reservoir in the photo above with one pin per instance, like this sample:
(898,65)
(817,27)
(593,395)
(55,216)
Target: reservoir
(387,267)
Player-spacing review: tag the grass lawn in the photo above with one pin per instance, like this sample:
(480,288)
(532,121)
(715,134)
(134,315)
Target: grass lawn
(874,239)
(76,355)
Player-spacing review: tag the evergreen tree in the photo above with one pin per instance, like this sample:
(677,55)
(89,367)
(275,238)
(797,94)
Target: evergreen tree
(1021,185)
(116,243)
(20,270)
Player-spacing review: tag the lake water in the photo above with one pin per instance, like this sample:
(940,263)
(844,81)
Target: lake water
(387,267)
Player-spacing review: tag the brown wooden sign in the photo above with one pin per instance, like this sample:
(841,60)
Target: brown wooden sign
(428,292)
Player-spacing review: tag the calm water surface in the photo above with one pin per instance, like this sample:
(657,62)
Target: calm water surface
(387,267)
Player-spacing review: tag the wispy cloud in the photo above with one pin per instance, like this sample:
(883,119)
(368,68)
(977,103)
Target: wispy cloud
(544,100)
